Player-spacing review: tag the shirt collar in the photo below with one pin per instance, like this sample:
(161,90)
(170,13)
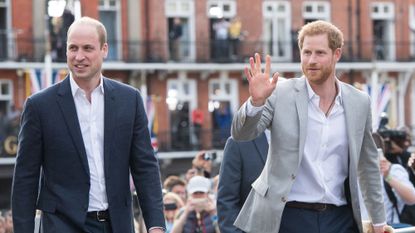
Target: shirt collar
(75,88)
(312,94)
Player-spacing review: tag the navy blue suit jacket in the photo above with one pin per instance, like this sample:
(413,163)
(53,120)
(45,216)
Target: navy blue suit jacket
(242,163)
(51,149)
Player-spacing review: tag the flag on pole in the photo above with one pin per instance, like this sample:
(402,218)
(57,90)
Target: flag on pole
(39,80)
(383,99)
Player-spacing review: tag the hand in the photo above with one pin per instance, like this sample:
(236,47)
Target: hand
(383,229)
(411,161)
(385,166)
(260,87)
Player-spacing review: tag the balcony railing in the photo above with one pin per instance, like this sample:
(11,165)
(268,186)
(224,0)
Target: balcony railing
(33,49)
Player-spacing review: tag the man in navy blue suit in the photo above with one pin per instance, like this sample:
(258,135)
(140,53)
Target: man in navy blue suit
(78,143)
(241,165)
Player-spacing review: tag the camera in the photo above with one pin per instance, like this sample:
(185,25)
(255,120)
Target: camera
(209,156)
(392,134)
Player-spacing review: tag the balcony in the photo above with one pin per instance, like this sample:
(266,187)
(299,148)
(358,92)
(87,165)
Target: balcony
(32,50)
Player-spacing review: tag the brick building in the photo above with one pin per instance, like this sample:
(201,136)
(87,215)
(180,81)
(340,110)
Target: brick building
(179,54)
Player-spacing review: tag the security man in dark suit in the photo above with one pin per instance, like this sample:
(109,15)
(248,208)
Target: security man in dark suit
(241,165)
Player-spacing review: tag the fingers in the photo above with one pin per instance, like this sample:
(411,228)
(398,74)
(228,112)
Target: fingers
(275,78)
(267,65)
(257,63)
(248,74)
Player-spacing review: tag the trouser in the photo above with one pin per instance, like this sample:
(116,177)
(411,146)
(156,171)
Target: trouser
(331,220)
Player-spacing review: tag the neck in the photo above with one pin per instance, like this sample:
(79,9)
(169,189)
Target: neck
(326,90)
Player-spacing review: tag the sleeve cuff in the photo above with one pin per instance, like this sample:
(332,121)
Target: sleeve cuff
(251,110)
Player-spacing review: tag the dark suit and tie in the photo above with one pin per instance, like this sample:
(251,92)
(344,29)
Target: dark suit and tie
(241,165)
(78,144)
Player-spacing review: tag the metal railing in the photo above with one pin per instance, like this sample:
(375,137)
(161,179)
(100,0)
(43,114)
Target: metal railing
(32,50)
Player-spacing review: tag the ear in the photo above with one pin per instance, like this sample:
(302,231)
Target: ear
(338,53)
(105,50)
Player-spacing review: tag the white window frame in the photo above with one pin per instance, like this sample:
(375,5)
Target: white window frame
(11,33)
(232,97)
(388,16)
(183,13)
(118,33)
(221,4)
(274,15)
(181,95)
(383,13)
(412,29)
(315,14)
(6,97)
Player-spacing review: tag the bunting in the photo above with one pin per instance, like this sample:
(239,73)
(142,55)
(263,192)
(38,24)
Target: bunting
(38,79)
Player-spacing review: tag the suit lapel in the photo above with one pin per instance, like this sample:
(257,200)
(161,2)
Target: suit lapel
(301,103)
(67,106)
(350,114)
(110,109)
(261,144)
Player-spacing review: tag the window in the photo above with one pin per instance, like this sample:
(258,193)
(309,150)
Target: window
(181,102)
(223,102)
(382,10)
(181,29)
(219,9)
(109,16)
(412,28)
(276,32)
(316,10)
(382,14)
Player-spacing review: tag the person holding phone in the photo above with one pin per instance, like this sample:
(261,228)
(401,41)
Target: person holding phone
(199,213)
(172,203)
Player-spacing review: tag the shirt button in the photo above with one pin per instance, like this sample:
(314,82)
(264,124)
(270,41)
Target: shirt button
(292,176)
(283,199)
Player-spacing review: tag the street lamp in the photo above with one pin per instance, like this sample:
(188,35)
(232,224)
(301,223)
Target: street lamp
(55,8)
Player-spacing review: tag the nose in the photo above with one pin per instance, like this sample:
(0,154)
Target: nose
(79,55)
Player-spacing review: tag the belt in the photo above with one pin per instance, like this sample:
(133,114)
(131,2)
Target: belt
(320,207)
(100,216)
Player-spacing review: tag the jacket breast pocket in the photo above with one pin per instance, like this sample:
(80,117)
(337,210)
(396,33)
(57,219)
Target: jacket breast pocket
(260,187)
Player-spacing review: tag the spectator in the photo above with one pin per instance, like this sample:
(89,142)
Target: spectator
(199,213)
(172,203)
(174,39)
(397,189)
(234,37)
(176,185)
(241,165)
(201,165)
(221,39)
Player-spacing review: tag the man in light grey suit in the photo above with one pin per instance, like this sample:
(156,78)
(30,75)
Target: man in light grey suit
(320,147)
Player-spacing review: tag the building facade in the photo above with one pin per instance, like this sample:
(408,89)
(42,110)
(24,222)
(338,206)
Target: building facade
(187,58)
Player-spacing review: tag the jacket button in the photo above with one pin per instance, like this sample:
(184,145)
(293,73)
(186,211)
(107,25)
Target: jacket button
(292,176)
(283,199)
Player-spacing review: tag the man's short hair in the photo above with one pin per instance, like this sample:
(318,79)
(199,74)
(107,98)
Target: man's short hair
(102,32)
(319,27)
(172,181)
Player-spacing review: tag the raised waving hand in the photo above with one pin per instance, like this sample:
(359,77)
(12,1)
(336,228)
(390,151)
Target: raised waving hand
(260,85)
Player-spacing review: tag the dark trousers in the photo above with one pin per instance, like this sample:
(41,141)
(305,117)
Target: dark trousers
(334,220)
(94,226)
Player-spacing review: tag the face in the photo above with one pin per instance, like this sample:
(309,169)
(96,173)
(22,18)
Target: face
(85,54)
(317,59)
(180,190)
(170,213)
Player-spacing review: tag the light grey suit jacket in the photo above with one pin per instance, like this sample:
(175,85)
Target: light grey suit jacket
(285,114)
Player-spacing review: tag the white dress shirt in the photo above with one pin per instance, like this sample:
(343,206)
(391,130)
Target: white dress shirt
(91,121)
(324,165)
